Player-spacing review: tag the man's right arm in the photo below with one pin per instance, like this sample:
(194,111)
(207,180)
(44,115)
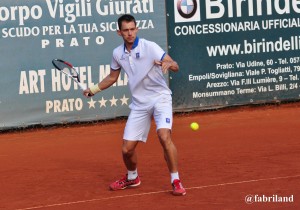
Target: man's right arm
(104,84)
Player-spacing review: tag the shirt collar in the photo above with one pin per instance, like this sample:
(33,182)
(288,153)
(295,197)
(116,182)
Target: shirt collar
(135,44)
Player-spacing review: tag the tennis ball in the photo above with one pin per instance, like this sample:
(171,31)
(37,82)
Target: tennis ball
(194,126)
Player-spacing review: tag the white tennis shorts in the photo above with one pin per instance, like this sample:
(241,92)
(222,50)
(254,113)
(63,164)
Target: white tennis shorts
(139,121)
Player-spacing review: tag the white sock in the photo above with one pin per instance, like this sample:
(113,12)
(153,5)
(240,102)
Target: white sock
(174,176)
(132,174)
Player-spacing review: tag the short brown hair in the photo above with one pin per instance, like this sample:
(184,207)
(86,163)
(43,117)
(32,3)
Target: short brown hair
(127,18)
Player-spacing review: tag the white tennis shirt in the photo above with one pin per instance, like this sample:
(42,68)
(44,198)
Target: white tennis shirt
(146,80)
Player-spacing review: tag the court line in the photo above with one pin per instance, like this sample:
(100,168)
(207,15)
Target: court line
(157,192)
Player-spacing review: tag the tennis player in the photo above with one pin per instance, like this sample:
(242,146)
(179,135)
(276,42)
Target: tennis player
(145,63)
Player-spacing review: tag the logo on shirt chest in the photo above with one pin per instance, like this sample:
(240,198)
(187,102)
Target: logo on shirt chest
(124,57)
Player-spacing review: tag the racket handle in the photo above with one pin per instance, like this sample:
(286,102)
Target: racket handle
(82,86)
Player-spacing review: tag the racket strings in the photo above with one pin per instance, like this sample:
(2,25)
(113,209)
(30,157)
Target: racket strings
(66,68)
(70,72)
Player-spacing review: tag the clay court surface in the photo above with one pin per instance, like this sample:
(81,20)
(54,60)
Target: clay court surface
(237,152)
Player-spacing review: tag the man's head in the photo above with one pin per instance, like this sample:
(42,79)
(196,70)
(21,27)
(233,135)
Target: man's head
(125,18)
(127,29)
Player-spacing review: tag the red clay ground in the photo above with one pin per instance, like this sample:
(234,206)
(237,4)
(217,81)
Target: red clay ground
(237,152)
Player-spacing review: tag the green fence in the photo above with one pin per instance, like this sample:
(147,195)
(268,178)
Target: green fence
(234,52)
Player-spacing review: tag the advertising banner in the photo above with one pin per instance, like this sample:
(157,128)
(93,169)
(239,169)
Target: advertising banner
(82,32)
(234,52)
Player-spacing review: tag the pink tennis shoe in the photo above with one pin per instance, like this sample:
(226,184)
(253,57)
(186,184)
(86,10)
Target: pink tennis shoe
(125,183)
(178,188)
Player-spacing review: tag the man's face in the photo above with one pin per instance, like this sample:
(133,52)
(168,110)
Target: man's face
(128,31)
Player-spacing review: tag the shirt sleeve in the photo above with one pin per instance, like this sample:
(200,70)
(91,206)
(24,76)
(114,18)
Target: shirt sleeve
(114,65)
(157,52)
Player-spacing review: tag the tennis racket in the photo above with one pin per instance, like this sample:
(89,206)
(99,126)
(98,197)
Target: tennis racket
(68,69)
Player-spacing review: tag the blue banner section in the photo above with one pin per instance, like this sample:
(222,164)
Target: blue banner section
(234,52)
(82,32)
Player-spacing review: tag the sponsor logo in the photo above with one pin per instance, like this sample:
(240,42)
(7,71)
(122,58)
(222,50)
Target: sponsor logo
(186,10)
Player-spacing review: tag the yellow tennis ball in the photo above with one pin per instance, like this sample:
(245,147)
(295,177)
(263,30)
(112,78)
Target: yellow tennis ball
(194,126)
